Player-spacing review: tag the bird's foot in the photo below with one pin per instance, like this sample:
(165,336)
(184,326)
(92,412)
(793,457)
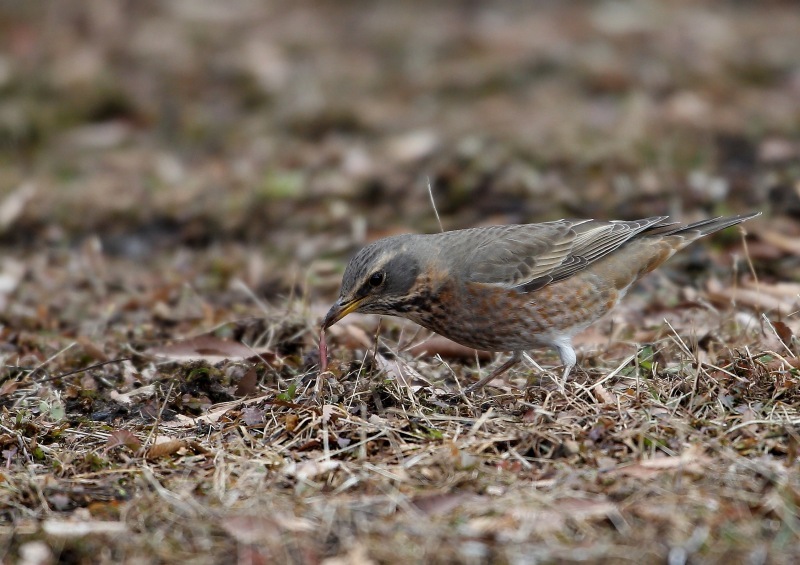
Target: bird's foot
(561,383)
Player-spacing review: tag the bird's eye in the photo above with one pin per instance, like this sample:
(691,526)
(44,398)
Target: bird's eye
(376,279)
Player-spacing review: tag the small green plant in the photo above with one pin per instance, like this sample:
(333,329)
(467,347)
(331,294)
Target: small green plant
(290,393)
(645,358)
(53,409)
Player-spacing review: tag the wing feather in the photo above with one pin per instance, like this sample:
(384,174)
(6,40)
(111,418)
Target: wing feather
(531,256)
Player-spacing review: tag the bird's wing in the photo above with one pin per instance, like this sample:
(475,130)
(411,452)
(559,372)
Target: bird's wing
(531,256)
(513,255)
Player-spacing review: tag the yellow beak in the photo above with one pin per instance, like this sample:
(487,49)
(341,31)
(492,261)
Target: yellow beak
(339,311)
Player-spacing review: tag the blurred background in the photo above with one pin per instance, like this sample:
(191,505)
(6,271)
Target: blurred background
(276,137)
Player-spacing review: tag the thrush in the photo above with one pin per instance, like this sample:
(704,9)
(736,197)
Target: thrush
(515,287)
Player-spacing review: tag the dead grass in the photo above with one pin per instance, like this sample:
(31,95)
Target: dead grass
(683,449)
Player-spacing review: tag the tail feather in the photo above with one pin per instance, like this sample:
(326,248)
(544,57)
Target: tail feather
(658,243)
(701,228)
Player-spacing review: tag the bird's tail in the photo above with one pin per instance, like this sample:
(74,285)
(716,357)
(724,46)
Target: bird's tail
(655,244)
(699,229)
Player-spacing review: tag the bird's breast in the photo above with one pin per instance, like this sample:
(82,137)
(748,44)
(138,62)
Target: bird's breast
(495,318)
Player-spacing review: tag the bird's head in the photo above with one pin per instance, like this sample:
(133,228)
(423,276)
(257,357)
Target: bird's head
(378,279)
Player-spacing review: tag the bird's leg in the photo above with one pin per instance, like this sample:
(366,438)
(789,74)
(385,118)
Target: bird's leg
(568,359)
(565,375)
(516,357)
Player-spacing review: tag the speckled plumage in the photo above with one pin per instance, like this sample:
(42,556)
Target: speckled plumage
(512,288)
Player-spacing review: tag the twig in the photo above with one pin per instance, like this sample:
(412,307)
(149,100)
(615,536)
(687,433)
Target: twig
(83,370)
(154,429)
(790,422)
(613,373)
(46,361)
(433,203)
(783,343)
(743,233)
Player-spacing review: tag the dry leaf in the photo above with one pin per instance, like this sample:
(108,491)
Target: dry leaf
(290,422)
(92,350)
(8,387)
(207,348)
(603,395)
(784,332)
(136,394)
(248,384)
(165,448)
(253,416)
(123,437)
(784,364)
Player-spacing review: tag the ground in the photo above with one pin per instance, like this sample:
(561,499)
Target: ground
(182,183)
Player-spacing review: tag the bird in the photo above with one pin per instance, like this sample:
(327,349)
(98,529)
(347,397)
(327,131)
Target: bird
(512,288)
